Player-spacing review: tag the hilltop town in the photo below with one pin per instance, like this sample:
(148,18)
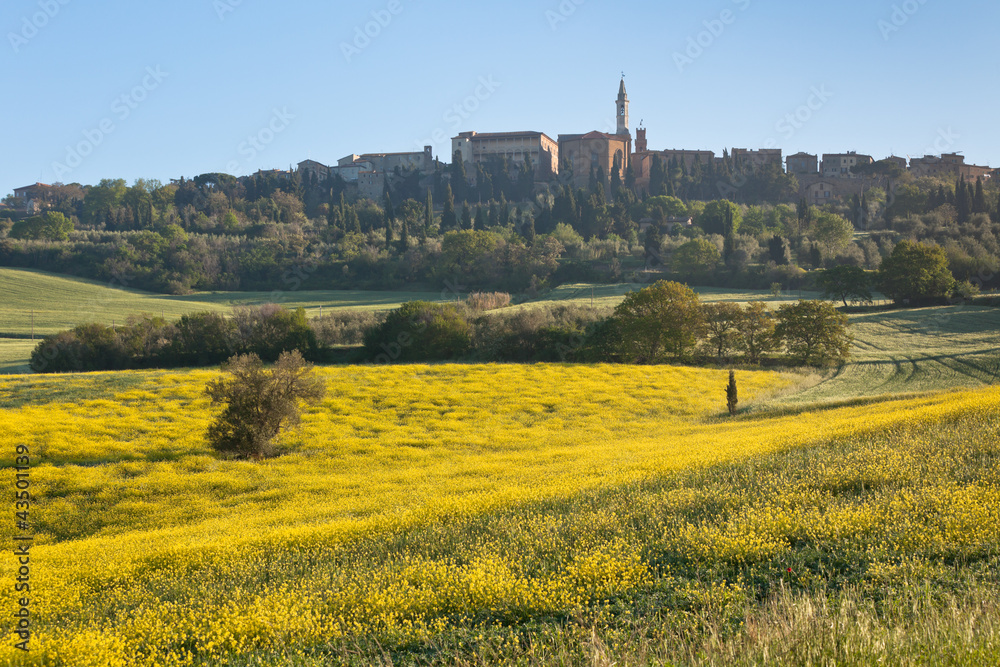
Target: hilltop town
(598,206)
(821,179)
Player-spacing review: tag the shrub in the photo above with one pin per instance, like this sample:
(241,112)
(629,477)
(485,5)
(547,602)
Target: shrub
(549,332)
(85,348)
(259,403)
(346,327)
(269,330)
(202,339)
(482,301)
(419,331)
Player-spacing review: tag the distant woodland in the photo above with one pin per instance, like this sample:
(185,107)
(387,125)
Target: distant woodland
(495,229)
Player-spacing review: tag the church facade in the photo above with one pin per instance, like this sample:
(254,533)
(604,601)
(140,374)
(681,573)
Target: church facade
(600,152)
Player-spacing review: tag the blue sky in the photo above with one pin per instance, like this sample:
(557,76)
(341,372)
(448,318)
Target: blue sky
(162,89)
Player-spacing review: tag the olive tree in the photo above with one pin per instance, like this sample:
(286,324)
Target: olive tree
(259,403)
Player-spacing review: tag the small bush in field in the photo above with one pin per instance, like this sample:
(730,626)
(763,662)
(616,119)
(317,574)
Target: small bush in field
(480,301)
(259,403)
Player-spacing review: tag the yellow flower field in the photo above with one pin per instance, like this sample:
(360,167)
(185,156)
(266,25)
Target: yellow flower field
(419,499)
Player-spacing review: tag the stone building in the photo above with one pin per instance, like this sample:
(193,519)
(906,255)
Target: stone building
(838,165)
(758,158)
(949,164)
(388,162)
(802,164)
(371,185)
(475,148)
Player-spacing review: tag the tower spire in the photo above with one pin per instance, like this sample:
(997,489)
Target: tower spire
(621,107)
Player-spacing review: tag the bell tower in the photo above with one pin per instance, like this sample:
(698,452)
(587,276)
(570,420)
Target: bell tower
(621,107)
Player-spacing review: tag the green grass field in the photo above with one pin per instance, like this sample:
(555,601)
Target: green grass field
(60,302)
(14,355)
(46,303)
(914,351)
(612,295)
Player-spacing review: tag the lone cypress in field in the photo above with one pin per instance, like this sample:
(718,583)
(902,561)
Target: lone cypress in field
(732,398)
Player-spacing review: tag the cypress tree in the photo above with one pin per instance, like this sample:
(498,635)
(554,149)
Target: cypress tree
(816,256)
(732,395)
(466,218)
(963,202)
(404,237)
(448,219)
(979,204)
(504,211)
(656,175)
(429,212)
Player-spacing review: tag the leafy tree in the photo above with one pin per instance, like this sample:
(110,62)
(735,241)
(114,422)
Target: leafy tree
(270,330)
(721,326)
(662,207)
(86,347)
(834,232)
(815,331)
(846,282)
(419,331)
(916,272)
(52,226)
(663,319)
(202,339)
(259,404)
(720,217)
(696,255)
(755,331)
(102,200)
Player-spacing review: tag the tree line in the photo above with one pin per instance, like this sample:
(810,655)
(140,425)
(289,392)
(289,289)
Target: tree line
(661,323)
(497,228)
